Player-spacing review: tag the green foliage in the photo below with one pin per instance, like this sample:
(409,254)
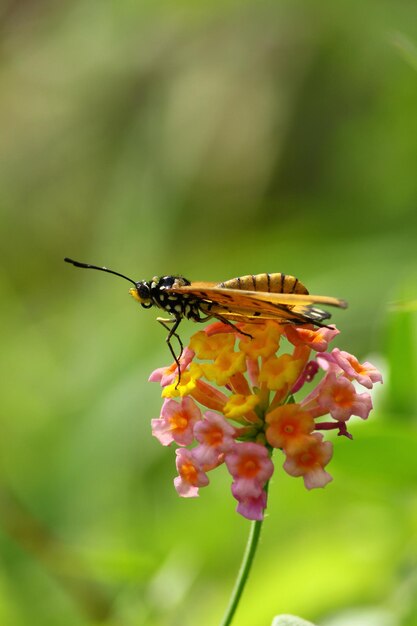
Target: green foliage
(212,140)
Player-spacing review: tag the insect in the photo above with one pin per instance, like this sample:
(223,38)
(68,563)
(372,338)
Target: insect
(252,298)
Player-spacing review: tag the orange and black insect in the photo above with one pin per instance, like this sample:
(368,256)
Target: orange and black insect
(252,298)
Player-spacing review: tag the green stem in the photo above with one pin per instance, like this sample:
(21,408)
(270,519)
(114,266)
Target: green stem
(243,575)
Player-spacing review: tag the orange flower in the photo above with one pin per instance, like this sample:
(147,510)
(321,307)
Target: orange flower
(288,427)
(208,396)
(310,462)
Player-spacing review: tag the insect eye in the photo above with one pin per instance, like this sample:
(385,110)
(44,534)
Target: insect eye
(143,291)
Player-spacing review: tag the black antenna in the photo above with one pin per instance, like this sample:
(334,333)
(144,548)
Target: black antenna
(96,267)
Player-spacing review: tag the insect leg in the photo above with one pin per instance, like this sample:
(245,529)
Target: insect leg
(229,323)
(198,318)
(202,319)
(172,333)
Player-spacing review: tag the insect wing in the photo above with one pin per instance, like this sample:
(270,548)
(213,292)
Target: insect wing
(281,313)
(237,299)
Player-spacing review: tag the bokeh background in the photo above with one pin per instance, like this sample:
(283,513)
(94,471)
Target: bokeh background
(210,139)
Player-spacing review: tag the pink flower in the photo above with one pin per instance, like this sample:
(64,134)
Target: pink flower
(176,422)
(216,436)
(251,467)
(339,398)
(191,476)
(365,373)
(327,362)
(249,461)
(167,375)
(250,507)
(316,338)
(310,462)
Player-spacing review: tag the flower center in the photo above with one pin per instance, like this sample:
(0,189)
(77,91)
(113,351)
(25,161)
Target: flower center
(343,397)
(178,422)
(214,437)
(248,468)
(358,367)
(307,459)
(189,473)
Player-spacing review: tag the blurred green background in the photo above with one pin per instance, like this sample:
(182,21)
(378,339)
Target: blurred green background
(210,139)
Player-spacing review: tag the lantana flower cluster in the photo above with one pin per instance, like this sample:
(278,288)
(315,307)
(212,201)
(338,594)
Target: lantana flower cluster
(256,409)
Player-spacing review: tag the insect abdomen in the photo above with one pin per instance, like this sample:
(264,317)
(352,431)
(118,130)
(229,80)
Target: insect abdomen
(269,283)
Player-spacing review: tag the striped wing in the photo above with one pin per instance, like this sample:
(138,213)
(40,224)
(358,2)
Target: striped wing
(283,315)
(255,301)
(250,306)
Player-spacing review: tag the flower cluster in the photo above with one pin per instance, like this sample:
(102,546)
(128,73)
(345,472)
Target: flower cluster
(257,410)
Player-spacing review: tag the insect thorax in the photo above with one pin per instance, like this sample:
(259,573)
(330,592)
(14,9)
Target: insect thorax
(154,293)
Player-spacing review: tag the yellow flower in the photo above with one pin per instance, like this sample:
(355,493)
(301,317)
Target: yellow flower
(186,385)
(264,340)
(281,372)
(238,405)
(209,346)
(226,364)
